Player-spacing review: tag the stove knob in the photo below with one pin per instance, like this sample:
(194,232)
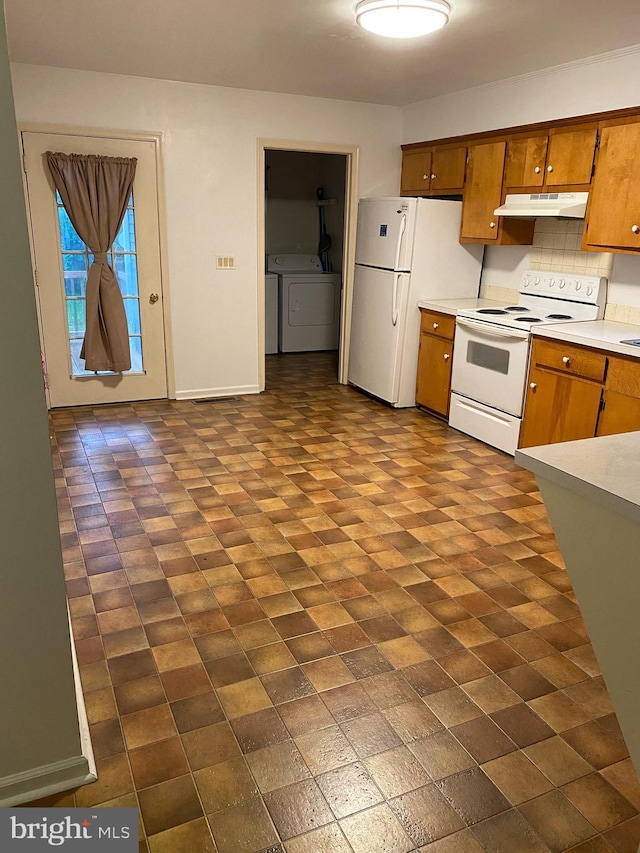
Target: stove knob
(526,281)
(552,282)
(578,285)
(589,290)
(562,283)
(537,280)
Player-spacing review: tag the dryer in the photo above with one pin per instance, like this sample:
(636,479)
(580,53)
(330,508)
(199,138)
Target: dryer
(308,303)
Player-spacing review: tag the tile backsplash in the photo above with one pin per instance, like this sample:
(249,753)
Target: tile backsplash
(556,247)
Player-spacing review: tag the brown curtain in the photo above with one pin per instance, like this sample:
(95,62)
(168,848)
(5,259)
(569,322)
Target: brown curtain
(95,191)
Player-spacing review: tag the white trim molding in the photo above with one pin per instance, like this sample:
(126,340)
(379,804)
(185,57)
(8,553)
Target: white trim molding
(45,781)
(215,393)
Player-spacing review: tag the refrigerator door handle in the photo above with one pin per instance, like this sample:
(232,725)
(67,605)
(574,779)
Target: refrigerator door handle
(403,228)
(395,313)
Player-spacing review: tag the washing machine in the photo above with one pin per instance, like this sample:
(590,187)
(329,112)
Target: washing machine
(308,303)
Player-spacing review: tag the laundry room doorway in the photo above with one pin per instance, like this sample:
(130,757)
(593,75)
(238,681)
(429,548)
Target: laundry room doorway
(307,217)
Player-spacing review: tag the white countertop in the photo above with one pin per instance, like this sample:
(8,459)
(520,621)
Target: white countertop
(601,334)
(454,306)
(605,470)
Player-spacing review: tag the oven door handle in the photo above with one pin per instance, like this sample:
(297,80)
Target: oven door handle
(492,331)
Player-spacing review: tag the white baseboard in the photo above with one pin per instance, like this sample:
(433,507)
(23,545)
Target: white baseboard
(44,781)
(213,393)
(61,775)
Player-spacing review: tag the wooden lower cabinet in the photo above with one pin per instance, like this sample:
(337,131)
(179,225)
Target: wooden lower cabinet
(435,356)
(559,408)
(577,392)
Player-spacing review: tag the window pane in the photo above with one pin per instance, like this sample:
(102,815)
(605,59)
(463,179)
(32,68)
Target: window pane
(136,354)
(75,274)
(76,317)
(132,307)
(126,239)
(126,270)
(68,237)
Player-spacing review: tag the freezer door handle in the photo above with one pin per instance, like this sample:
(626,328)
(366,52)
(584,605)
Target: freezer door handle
(403,228)
(492,331)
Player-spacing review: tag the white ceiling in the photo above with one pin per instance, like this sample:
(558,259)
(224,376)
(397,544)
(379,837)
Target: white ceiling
(313,47)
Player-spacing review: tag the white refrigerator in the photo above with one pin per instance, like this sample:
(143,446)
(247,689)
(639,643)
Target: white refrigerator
(407,250)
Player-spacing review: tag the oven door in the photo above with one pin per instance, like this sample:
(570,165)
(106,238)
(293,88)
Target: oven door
(490,364)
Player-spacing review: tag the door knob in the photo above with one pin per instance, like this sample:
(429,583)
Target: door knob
(153,298)
(566,360)
(533,386)
(433,177)
(436,325)
(537,170)
(635,229)
(492,225)
(425,177)
(549,168)
(446,356)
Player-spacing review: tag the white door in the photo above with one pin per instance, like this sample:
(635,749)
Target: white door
(385,232)
(62,260)
(376,340)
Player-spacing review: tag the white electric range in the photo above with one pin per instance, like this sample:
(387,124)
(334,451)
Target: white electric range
(491,351)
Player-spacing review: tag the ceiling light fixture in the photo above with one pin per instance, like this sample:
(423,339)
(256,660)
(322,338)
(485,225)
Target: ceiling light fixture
(402,19)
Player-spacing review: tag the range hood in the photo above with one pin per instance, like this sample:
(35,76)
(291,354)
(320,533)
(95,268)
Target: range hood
(570,205)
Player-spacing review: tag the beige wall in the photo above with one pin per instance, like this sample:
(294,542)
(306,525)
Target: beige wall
(210,153)
(38,716)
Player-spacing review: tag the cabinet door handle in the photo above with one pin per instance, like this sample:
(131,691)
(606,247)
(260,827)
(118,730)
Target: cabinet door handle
(566,360)
(533,386)
(549,168)
(537,170)
(492,225)
(446,356)
(436,325)
(425,177)
(635,229)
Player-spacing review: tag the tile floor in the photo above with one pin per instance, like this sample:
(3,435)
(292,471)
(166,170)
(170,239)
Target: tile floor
(308,623)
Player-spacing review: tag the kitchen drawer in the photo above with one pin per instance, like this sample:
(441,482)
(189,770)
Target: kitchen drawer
(440,325)
(623,376)
(569,359)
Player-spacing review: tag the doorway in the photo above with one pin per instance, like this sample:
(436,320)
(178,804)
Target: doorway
(307,208)
(61,263)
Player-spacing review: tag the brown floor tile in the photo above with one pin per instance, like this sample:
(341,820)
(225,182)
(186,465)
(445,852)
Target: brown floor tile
(407,579)
(169,804)
(483,740)
(194,836)
(158,762)
(556,821)
(441,755)
(371,734)
(297,809)
(522,725)
(601,804)
(595,745)
(517,777)
(224,785)
(472,795)
(508,832)
(376,830)
(244,828)
(557,760)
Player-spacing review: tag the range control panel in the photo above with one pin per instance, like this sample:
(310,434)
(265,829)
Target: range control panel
(570,286)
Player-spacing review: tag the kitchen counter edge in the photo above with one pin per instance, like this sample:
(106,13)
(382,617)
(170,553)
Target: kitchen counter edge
(598,334)
(605,470)
(454,306)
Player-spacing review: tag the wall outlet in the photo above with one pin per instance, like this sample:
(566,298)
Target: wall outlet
(225,262)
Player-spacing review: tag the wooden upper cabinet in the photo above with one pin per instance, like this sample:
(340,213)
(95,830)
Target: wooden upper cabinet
(483,191)
(613,216)
(525,163)
(564,157)
(448,168)
(570,156)
(416,172)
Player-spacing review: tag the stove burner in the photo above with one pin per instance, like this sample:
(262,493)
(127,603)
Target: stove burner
(491,311)
(559,317)
(515,308)
(527,319)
